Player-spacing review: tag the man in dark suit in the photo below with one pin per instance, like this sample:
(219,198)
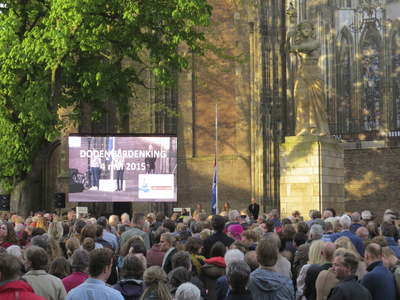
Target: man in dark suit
(218,225)
(167,243)
(313,271)
(254,209)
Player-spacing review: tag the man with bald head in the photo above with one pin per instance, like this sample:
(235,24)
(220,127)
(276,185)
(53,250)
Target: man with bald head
(379,280)
(363,234)
(327,214)
(313,271)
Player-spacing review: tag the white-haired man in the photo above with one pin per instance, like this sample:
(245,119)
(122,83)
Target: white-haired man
(345,223)
(301,258)
(222,287)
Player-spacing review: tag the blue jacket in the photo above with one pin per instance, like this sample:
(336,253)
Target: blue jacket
(379,282)
(354,227)
(277,223)
(357,241)
(270,285)
(221,288)
(393,245)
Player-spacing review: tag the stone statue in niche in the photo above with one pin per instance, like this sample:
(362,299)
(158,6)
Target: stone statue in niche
(309,93)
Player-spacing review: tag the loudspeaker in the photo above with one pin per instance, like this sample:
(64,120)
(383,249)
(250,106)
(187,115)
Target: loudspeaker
(5,202)
(59,200)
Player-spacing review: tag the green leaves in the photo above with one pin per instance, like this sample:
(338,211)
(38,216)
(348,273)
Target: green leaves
(64,53)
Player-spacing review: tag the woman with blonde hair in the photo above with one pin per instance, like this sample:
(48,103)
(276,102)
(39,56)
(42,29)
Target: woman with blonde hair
(314,257)
(42,223)
(345,243)
(72,244)
(55,231)
(156,281)
(205,233)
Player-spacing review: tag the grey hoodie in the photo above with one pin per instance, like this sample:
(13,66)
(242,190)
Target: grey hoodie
(266,284)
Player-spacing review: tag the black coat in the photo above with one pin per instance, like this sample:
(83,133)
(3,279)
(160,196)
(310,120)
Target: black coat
(219,236)
(349,289)
(254,212)
(167,267)
(311,277)
(239,295)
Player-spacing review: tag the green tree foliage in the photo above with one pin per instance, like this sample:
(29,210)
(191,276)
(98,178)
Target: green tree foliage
(52,56)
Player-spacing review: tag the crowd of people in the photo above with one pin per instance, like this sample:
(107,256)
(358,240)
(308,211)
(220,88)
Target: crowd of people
(234,255)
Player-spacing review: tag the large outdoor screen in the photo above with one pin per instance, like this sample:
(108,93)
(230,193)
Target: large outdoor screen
(122,168)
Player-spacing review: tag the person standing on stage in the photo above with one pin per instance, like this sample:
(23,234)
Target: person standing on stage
(254,209)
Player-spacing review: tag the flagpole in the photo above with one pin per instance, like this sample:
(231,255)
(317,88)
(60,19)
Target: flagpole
(216,155)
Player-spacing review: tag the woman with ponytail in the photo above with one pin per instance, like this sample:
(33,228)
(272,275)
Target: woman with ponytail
(155,280)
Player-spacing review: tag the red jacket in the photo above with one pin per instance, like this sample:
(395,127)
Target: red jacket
(5,245)
(73,280)
(218,261)
(155,256)
(18,289)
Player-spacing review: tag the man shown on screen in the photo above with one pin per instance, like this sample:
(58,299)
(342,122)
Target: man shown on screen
(150,162)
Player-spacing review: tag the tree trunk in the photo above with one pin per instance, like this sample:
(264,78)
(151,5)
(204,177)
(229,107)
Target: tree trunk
(21,197)
(21,194)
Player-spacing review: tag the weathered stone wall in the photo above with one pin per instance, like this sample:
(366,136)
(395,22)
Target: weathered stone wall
(372,179)
(196,127)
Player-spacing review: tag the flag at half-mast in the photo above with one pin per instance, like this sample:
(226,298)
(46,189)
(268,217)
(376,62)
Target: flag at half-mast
(214,190)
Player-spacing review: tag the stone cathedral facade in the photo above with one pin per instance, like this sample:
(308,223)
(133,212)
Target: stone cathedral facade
(257,109)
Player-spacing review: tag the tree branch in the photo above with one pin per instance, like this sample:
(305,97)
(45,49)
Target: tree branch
(10,107)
